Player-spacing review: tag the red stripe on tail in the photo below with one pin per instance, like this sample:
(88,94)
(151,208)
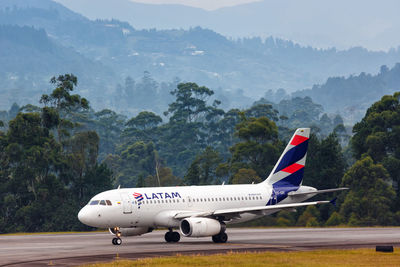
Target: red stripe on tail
(298,139)
(293,168)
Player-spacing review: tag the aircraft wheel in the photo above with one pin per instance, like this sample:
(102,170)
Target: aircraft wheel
(113,241)
(215,238)
(223,238)
(168,237)
(118,241)
(175,236)
(220,238)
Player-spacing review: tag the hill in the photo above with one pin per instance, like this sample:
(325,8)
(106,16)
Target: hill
(340,23)
(351,96)
(104,53)
(29,58)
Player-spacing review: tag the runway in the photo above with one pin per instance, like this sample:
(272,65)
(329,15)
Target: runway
(75,249)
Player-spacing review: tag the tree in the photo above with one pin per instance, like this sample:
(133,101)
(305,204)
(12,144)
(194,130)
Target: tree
(144,121)
(165,177)
(60,102)
(262,110)
(309,218)
(259,147)
(325,163)
(109,126)
(370,197)
(203,169)
(246,176)
(43,181)
(377,135)
(190,104)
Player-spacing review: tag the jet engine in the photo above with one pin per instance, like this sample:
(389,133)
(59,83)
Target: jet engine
(199,227)
(131,231)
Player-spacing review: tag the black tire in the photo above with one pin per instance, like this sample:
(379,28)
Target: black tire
(113,241)
(175,237)
(215,239)
(223,237)
(118,241)
(168,237)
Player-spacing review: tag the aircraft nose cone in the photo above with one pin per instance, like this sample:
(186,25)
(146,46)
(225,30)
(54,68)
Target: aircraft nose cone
(84,216)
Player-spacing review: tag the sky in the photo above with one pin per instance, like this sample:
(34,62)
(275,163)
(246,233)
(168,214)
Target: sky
(204,4)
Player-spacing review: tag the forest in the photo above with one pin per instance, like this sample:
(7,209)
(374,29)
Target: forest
(55,156)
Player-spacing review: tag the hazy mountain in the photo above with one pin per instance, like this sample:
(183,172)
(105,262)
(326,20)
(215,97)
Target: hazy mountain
(341,23)
(351,96)
(103,53)
(28,59)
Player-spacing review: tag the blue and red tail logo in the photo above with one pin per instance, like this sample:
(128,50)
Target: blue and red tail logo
(288,172)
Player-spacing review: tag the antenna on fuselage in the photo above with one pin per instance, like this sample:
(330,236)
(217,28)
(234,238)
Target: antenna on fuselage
(119,187)
(223,183)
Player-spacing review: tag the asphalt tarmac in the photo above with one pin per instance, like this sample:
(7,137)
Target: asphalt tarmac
(76,249)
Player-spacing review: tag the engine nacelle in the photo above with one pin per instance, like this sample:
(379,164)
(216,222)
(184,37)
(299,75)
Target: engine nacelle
(199,227)
(131,231)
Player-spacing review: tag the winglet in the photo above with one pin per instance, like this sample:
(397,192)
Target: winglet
(333,201)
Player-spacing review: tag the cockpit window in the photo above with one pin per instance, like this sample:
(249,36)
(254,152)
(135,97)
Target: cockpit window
(94,202)
(103,202)
(108,202)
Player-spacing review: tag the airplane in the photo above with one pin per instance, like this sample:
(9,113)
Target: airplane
(202,211)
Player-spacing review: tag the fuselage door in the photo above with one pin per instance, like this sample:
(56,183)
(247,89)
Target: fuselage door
(126,203)
(189,201)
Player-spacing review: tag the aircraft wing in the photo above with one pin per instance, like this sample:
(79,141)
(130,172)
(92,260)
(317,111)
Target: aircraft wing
(231,213)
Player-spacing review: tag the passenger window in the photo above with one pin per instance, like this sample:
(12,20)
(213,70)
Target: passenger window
(184,200)
(94,202)
(103,202)
(162,201)
(209,200)
(108,202)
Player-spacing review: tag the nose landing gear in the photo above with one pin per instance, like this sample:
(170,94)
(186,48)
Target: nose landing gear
(117,240)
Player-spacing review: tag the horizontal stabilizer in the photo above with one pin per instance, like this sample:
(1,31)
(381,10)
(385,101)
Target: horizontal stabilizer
(293,193)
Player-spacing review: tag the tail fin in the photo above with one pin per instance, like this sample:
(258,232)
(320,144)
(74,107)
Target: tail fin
(288,171)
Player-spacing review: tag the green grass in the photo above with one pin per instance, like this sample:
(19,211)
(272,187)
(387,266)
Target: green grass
(354,257)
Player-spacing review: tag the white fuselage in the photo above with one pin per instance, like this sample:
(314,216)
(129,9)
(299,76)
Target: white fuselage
(155,207)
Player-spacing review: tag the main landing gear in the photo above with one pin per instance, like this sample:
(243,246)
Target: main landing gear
(117,240)
(172,237)
(220,238)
